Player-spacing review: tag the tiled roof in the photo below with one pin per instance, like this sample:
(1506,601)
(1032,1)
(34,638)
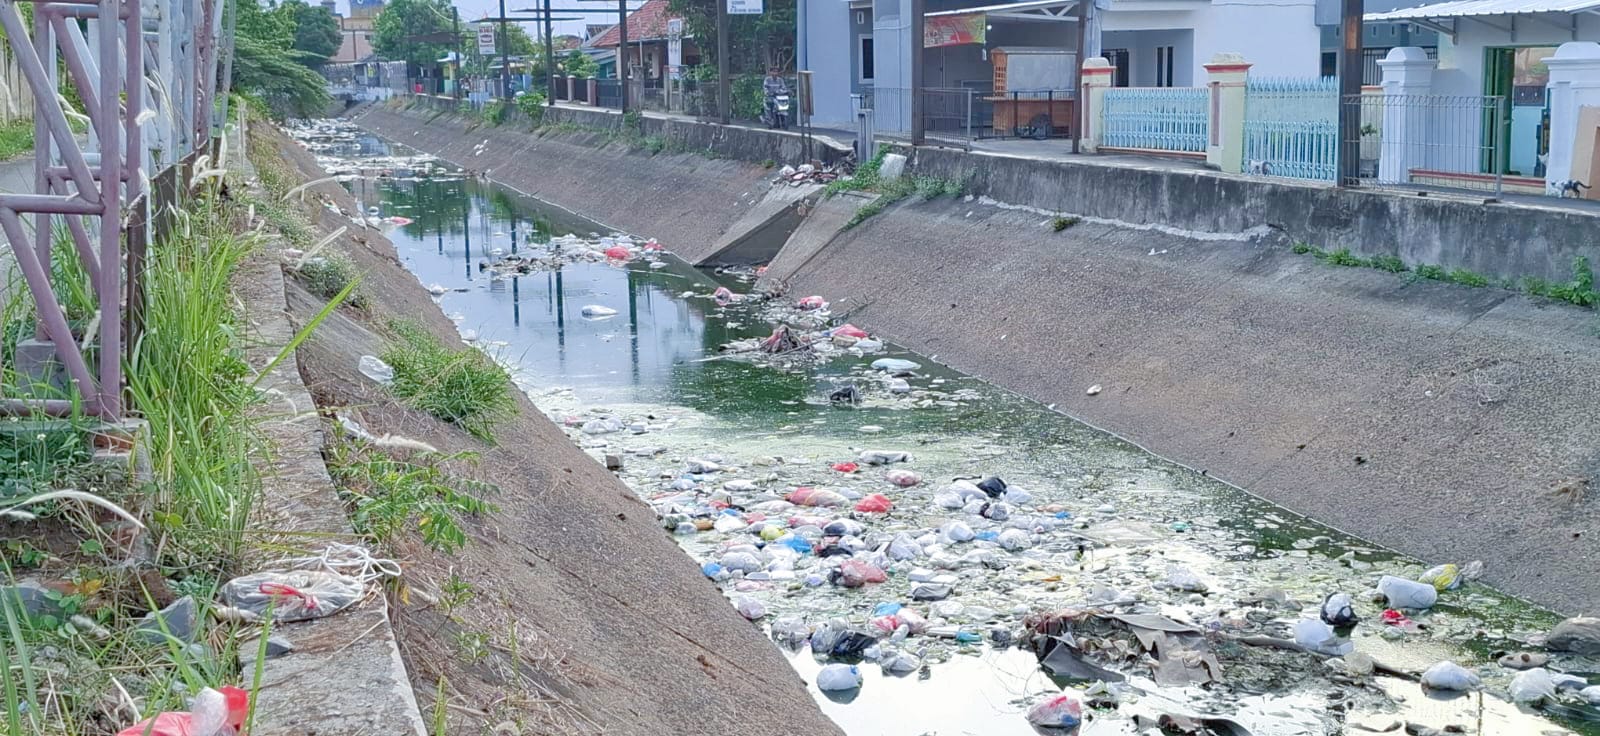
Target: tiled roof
(648,23)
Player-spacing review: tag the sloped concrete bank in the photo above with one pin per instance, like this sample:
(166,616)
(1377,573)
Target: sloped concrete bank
(569,610)
(1431,418)
(686,200)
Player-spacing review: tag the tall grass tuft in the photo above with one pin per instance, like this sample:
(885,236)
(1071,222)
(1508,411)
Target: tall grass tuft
(463,385)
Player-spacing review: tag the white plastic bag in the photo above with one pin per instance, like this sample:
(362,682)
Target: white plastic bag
(374,368)
(1338,610)
(1062,711)
(957,531)
(1182,578)
(295,595)
(751,608)
(839,677)
(1014,540)
(883,457)
(1319,637)
(902,478)
(1403,593)
(1532,686)
(1448,675)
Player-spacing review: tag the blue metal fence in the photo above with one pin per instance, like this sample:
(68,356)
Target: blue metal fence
(1156,118)
(1291,128)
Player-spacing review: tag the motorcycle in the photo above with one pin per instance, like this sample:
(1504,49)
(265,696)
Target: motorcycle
(776,114)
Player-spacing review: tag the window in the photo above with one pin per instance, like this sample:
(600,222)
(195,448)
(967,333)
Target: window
(1119,61)
(1164,63)
(864,43)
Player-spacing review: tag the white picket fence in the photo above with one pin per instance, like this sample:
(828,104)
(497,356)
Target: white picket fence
(16,102)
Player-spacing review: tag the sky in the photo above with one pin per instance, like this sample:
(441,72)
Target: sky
(474,9)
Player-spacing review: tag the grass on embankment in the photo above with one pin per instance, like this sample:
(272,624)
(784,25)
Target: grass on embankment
(868,179)
(1579,291)
(463,386)
(16,138)
(81,666)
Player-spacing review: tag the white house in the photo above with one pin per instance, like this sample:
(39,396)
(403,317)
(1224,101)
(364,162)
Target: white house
(863,46)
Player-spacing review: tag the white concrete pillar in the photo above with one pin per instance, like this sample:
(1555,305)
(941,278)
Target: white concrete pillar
(1097,78)
(1407,77)
(1574,84)
(1227,74)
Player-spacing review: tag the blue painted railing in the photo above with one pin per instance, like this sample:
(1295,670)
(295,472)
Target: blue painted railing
(1291,128)
(1156,118)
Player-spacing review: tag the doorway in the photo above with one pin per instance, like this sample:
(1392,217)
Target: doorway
(1518,75)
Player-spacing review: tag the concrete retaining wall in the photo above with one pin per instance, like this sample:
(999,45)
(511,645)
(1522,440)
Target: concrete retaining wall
(1497,240)
(1428,417)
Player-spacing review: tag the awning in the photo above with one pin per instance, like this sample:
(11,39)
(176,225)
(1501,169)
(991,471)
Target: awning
(1030,10)
(1481,8)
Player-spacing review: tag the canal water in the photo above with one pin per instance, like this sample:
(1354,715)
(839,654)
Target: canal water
(1105,521)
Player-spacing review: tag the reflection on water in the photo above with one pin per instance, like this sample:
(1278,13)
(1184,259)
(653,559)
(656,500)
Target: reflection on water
(651,358)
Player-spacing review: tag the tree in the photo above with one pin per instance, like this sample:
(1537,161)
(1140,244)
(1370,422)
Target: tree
(579,64)
(755,42)
(406,30)
(518,44)
(267,66)
(316,31)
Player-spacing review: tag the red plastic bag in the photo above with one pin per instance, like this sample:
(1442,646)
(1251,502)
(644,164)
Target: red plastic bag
(722,296)
(651,244)
(214,713)
(846,467)
(617,252)
(812,302)
(808,496)
(1399,620)
(849,331)
(856,573)
(876,503)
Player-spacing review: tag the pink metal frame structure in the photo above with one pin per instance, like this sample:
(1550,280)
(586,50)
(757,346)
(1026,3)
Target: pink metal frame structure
(86,190)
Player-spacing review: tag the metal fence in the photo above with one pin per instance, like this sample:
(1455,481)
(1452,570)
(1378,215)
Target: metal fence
(1157,118)
(1291,128)
(1432,141)
(607,92)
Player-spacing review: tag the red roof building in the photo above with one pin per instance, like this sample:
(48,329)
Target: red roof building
(648,23)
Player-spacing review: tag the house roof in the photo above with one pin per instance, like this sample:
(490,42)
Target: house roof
(648,23)
(1475,8)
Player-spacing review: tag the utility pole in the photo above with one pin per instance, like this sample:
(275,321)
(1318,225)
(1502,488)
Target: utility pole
(549,59)
(1085,7)
(455,22)
(918,34)
(724,105)
(1349,94)
(622,51)
(505,56)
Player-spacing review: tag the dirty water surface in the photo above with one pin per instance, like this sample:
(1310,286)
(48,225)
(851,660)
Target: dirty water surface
(1149,591)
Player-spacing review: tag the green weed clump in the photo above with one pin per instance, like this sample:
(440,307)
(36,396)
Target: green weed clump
(390,495)
(16,138)
(532,105)
(462,386)
(1062,223)
(329,275)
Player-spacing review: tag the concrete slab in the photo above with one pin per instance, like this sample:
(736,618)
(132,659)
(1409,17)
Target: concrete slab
(822,224)
(758,236)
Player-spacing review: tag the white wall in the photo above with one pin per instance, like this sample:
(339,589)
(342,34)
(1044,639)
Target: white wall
(1141,47)
(1461,63)
(828,56)
(1279,37)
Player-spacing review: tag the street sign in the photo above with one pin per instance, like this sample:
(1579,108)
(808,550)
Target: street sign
(674,43)
(744,7)
(486,39)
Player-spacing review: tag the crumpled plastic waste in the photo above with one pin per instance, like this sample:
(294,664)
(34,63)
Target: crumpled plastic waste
(895,365)
(603,425)
(293,595)
(219,712)
(1064,712)
(1391,617)
(751,608)
(1447,675)
(811,303)
(876,503)
(845,467)
(883,457)
(1532,686)
(808,496)
(724,296)
(1579,635)
(1339,610)
(902,478)
(1403,593)
(847,394)
(848,330)
(618,253)
(856,573)
(992,486)
(598,311)
(374,368)
(1184,579)
(1319,637)
(1442,577)
(839,677)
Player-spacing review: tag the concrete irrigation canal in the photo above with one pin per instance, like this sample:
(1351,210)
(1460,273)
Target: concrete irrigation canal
(933,554)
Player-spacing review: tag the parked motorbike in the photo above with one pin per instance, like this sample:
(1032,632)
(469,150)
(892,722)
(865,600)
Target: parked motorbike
(776,113)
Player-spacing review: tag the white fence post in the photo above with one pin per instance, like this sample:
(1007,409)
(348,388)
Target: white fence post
(1407,73)
(1097,73)
(1574,84)
(1228,74)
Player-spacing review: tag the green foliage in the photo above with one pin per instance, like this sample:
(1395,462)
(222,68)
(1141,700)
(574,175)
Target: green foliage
(495,112)
(532,105)
(329,275)
(633,120)
(749,98)
(403,19)
(316,31)
(1301,249)
(1062,223)
(270,68)
(463,386)
(1432,272)
(390,496)
(1343,257)
(755,42)
(1580,290)
(578,64)
(16,138)
(1468,278)
(1392,264)
(865,176)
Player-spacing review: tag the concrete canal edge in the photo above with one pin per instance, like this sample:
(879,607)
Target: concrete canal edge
(1430,418)
(583,616)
